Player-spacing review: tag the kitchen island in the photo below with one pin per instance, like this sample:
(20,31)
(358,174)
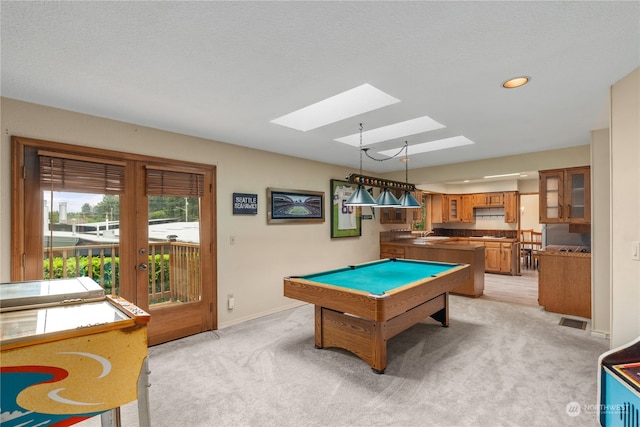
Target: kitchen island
(564,280)
(442,250)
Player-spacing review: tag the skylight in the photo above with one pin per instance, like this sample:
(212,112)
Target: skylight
(440,144)
(396,130)
(353,102)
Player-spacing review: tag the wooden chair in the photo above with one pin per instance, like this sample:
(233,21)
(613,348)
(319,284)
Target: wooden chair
(536,245)
(526,246)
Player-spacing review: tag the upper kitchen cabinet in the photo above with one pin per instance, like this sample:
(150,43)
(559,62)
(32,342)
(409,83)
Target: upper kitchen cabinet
(393,215)
(510,207)
(481,200)
(565,195)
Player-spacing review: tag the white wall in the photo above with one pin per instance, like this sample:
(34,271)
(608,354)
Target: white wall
(600,232)
(253,268)
(625,208)
(530,218)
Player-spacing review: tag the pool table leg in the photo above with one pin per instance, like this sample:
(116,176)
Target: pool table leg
(442,316)
(318,327)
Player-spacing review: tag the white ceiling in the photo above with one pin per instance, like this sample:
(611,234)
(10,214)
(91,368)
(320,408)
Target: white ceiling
(224,70)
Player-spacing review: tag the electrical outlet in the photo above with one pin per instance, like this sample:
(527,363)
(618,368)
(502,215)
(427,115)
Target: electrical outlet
(230,302)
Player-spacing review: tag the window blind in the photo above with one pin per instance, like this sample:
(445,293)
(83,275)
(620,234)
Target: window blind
(79,175)
(173,183)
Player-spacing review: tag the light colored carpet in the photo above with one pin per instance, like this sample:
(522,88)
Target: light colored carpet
(498,364)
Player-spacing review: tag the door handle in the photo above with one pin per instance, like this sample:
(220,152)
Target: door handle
(142,267)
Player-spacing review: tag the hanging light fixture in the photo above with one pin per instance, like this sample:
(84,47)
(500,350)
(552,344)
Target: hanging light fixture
(386,199)
(361,197)
(407,201)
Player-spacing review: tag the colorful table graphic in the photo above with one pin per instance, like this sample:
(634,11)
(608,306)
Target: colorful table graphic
(62,363)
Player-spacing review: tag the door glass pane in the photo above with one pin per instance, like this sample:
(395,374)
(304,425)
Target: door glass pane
(577,195)
(174,250)
(552,199)
(81,237)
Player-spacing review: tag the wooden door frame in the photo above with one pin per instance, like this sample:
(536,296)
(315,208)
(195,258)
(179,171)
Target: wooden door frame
(24,239)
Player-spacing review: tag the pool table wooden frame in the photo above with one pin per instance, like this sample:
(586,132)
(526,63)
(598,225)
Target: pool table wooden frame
(362,323)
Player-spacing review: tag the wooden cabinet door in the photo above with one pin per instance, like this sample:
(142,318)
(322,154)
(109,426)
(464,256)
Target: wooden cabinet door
(578,195)
(479,200)
(492,258)
(454,203)
(495,199)
(565,196)
(551,192)
(510,207)
(467,208)
(437,208)
(505,257)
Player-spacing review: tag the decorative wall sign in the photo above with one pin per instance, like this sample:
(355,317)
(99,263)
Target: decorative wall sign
(345,220)
(294,206)
(245,204)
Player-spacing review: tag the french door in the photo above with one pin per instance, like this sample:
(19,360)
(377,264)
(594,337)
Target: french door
(141,227)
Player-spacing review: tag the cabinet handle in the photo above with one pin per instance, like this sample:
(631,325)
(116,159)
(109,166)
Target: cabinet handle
(569,211)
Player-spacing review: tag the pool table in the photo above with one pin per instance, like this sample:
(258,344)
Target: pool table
(360,307)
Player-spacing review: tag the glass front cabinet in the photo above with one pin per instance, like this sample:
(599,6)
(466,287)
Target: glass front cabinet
(565,196)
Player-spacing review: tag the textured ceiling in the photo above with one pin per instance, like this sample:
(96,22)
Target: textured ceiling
(223,70)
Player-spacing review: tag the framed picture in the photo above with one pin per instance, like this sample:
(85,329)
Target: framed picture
(345,220)
(294,206)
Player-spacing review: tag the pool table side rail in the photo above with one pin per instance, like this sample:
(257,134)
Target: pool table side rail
(375,307)
(359,303)
(406,297)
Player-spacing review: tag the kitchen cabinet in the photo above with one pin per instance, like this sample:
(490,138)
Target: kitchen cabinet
(447,208)
(453,208)
(466,206)
(391,251)
(393,215)
(492,257)
(458,208)
(565,195)
(484,200)
(499,257)
(564,282)
(437,209)
(510,207)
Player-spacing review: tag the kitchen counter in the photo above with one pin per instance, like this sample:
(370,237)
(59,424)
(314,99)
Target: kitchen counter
(443,250)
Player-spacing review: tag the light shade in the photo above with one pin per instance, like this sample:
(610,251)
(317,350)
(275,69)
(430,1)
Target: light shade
(386,199)
(407,201)
(361,198)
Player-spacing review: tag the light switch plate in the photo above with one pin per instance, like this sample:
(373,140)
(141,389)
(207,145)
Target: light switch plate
(635,250)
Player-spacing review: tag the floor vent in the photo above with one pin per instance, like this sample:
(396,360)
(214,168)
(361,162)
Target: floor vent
(573,323)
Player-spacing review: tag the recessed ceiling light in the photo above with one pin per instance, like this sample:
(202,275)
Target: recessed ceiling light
(516,82)
(396,130)
(440,144)
(358,100)
(503,175)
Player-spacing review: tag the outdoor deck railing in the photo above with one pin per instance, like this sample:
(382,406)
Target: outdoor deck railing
(174,268)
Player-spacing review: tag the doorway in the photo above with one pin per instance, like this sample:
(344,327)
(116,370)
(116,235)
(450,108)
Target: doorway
(141,227)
